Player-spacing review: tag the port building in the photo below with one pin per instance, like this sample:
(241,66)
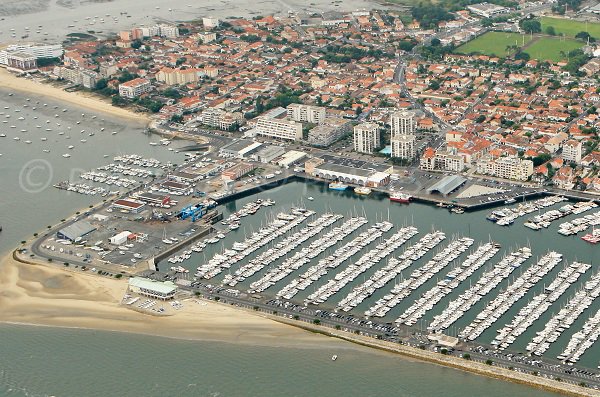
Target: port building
(76,231)
(163,290)
(447,185)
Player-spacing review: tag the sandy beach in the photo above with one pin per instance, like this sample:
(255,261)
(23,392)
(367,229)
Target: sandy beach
(44,295)
(9,82)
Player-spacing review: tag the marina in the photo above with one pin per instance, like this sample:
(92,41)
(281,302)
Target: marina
(566,317)
(486,283)
(506,216)
(507,298)
(451,281)
(539,304)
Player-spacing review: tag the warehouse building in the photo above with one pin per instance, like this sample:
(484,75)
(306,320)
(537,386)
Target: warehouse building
(75,231)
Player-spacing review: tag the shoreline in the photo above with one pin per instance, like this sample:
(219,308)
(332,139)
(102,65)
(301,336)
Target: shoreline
(11,82)
(33,297)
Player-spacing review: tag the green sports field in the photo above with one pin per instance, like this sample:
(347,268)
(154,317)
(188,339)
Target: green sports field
(569,27)
(494,43)
(548,48)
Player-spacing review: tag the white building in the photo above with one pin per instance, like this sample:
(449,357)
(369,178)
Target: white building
(162,290)
(134,88)
(210,23)
(279,128)
(151,31)
(366,137)
(487,10)
(402,137)
(571,151)
(506,167)
(35,50)
(221,119)
(306,113)
(330,131)
(169,31)
(86,78)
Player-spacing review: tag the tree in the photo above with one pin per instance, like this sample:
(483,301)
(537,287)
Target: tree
(585,36)
(118,101)
(550,31)
(136,44)
(466,356)
(489,362)
(531,25)
(101,84)
(177,118)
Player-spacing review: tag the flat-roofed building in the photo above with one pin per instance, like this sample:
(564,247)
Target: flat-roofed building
(510,167)
(221,119)
(284,129)
(306,113)
(487,10)
(154,198)
(242,148)
(366,138)
(176,188)
(349,174)
(210,22)
(237,171)
(21,62)
(268,153)
(571,151)
(134,88)
(402,137)
(163,290)
(290,158)
(330,131)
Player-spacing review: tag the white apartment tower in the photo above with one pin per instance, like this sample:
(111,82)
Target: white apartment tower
(402,134)
(571,151)
(366,137)
(306,113)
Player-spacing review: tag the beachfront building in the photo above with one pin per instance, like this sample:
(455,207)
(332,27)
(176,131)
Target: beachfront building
(36,50)
(86,78)
(169,31)
(21,62)
(210,23)
(510,167)
(221,119)
(163,290)
(284,129)
(571,151)
(306,113)
(134,88)
(403,139)
(366,138)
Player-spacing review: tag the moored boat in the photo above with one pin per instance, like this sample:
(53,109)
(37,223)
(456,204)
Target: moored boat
(362,190)
(338,186)
(399,197)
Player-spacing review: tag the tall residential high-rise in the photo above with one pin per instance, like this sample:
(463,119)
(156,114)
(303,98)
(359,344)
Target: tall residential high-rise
(402,134)
(366,137)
